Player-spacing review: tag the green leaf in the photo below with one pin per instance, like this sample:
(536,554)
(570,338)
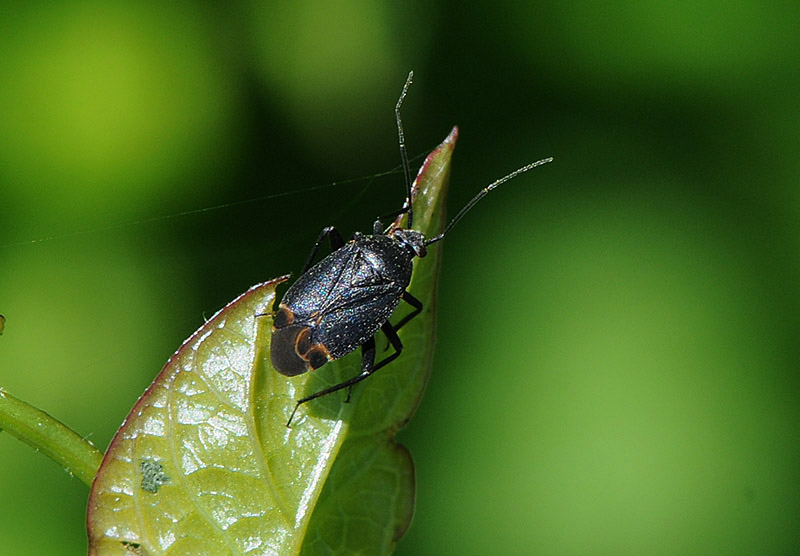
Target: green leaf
(204,463)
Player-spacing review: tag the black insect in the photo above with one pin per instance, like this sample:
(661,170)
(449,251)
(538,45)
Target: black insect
(341,302)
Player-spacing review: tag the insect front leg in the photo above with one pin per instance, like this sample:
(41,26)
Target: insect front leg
(336,241)
(377,227)
(414,302)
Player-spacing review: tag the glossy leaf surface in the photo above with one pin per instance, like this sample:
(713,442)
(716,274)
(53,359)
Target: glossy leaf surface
(204,463)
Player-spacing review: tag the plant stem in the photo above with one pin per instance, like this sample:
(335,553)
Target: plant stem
(50,436)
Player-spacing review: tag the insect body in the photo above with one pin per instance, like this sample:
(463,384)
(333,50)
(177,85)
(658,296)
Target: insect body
(340,303)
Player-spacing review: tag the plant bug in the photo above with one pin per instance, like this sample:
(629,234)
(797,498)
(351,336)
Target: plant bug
(340,303)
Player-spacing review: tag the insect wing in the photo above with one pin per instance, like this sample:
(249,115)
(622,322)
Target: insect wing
(357,317)
(319,286)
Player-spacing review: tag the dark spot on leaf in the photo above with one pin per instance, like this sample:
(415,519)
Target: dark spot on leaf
(153,475)
(134,548)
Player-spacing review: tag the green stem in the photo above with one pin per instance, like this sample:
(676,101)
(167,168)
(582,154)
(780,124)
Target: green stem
(48,435)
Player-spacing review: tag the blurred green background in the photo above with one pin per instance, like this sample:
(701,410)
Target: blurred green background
(617,360)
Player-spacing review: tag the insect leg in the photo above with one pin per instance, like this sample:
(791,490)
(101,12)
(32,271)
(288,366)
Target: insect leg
(414,302)
(368,366)
(367,362)
(335,238)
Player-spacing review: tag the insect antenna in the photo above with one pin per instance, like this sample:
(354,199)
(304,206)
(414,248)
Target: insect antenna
(482,194)
(403,155)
